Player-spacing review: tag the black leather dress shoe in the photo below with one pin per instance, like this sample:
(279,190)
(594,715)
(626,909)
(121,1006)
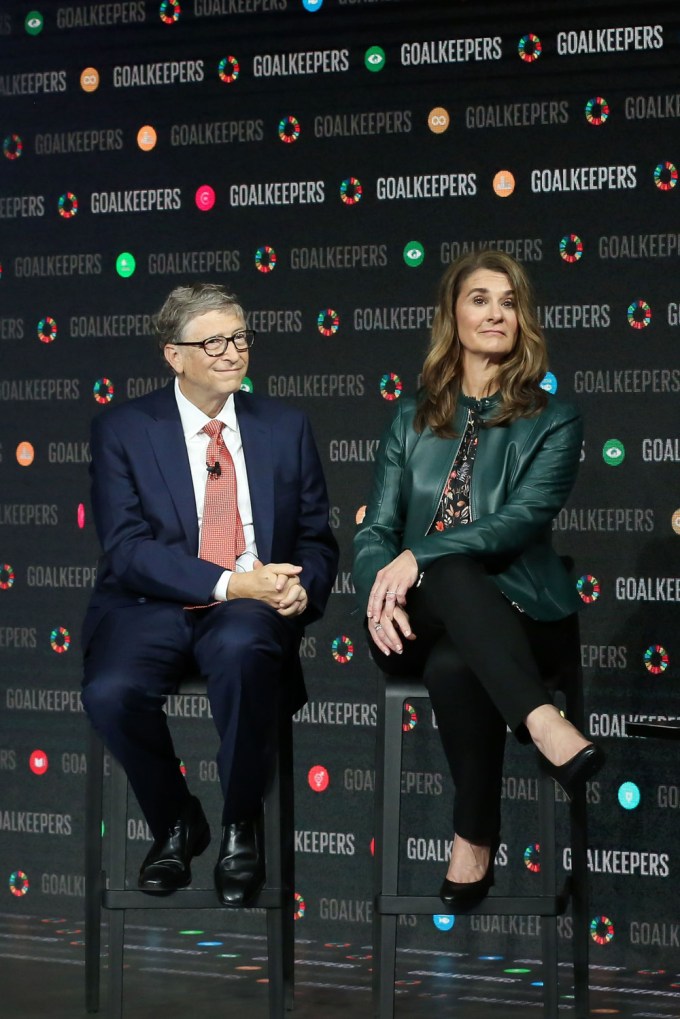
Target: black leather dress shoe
(462,895)
(577,770)
(167,864)
(239,871)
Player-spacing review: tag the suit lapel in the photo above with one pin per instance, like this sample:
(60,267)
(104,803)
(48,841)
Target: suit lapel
(167,441)
(257,450)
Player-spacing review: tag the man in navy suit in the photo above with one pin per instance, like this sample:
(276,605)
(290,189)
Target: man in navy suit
(159,611)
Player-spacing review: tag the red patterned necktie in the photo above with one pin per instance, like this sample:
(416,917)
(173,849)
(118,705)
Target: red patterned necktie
(222,540)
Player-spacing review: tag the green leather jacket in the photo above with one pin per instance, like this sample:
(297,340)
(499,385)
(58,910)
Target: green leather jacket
(522,475)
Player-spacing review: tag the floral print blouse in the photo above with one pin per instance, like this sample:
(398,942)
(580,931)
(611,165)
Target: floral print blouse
(454,506)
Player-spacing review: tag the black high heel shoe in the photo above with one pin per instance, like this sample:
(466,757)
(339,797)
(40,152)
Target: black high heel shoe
(577,770)
(462,895)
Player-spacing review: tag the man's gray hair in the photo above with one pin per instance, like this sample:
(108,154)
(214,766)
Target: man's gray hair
(185,303)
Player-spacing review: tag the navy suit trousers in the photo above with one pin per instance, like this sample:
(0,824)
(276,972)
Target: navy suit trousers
(139,654)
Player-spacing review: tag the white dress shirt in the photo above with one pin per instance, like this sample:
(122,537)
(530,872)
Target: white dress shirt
(193,421)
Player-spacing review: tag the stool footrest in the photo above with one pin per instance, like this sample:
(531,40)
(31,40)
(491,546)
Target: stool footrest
(494,905)
(183,898)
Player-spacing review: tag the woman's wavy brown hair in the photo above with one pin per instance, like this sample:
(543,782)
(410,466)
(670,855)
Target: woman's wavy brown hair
(519,375)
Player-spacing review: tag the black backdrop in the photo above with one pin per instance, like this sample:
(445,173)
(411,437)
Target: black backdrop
(342,182)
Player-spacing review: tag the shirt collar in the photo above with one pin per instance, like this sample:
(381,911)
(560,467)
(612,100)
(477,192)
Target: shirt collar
(193,419)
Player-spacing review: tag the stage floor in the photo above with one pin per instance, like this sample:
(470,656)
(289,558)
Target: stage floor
(174,973)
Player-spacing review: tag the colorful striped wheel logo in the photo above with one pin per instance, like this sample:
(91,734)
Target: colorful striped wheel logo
(68,205)
(18,883)
(666,176)
(228,69)
(351,191)
(601,930)
(265,259)
(47,330)
(289,129)
(532,857)
(342,649)
(300,907)
(12,147)
(597,111)
(530,48)
(639,314)
(410,719)
(7,577)
(103,390)
(60,640)
(656,659)
(328,322)
(390,386)
(588,588)
(170,11)
(571,248)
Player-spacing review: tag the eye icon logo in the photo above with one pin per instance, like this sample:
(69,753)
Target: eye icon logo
(613,452)
(265,259)
(68,205)
(12,147)
(318,778)
(351,191)
(170,11)
(228,70)
(328,322)
(34,22)
(413,254)
(530,48)
(374,58)
(629,795)
(656,659)
(47,330)
(571,248)
(597,111)
(289,129)
(666,176)
(639,315)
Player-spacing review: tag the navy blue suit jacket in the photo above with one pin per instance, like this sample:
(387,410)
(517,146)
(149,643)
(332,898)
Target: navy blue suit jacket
(145,512)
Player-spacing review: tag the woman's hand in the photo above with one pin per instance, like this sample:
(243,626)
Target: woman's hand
(388,632)
(386,601)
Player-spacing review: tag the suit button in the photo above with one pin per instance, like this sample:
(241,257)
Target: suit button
(141,600)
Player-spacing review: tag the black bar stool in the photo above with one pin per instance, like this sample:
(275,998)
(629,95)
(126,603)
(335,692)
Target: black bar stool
(106,889)
(551,903)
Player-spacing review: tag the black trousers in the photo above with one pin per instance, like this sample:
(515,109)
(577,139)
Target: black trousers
(486,665)
(139,654)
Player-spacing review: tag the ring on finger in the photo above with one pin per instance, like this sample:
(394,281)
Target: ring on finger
(378,626)
(391,594)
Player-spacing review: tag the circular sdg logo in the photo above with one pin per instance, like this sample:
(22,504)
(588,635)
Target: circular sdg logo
(503,183)
(675,520)
(390,386)
(265,259)
(529,48)
(613,452)
(125,264)
(410,718)
(318,778)
(438,120)
(7,577)
(629,795)
(12,147)
(246,385)
(18,883)
(103,390)
(328,322)
(80,515)
(601,930)
(342,649)
(351,191)
(25,454)
(666,176)
(300,907)
(289,129)
(38,762)
(443,921)
(312,5)
(205,198)
(228,69)
(374,58)
(413,254)
(34,22)
(170,11)
(588,588)
(639,314)
(60,640)
(597,111)
(68,205)
(656,659)
(571,248)
(532,858)
(47,330)
(89,79)
(549,383)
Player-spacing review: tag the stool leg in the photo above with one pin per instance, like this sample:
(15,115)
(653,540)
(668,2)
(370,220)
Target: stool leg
(118,849)
(93,869)
(386,846)
(546,808)
(579,899)
(286,784)
(278,856)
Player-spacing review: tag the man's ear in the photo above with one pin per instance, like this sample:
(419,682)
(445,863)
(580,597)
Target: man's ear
(173,356)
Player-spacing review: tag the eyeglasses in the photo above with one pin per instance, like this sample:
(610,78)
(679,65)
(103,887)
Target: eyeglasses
(215,346)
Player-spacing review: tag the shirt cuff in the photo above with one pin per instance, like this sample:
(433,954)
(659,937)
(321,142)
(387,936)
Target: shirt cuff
(222,586)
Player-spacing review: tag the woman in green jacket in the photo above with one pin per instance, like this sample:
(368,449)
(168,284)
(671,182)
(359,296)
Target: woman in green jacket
(454,563)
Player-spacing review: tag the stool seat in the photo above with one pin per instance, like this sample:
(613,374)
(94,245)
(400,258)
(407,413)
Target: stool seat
(107,890)
(551,903)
